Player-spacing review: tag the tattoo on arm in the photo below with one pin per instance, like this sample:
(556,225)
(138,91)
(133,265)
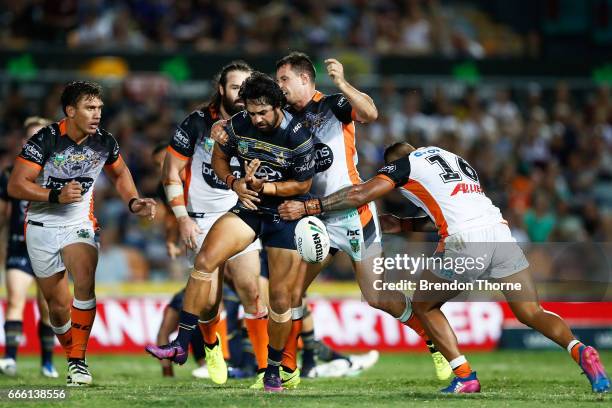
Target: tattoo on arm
(340,200)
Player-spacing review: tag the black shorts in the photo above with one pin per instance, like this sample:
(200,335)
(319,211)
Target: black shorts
(176,302)
(270,228)
(19,260)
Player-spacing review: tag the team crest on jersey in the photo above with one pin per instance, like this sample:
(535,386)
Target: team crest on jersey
(354,244)
(58,160)
(281,158)
(243,147)
(83,233)
(208,144)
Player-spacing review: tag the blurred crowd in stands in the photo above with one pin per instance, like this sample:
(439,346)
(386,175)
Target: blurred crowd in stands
(408,27)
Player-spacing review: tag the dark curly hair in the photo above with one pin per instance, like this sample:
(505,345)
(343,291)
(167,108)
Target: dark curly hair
(76,90)
(261,88)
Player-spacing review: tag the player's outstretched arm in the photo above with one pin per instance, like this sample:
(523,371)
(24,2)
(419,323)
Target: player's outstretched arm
(349,197)
(120,176)
(362,104)
(22,186)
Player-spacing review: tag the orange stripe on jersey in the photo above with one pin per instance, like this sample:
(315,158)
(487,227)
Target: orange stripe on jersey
(353,114)
(386,178)
(62,127)
(317,96)
(426,198)
(187,182)
(177,154)
(29,163)
(92,218)
(115,163)
(350,150)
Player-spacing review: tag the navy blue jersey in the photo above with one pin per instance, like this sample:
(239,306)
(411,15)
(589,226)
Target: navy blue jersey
(286,153)
(16,239)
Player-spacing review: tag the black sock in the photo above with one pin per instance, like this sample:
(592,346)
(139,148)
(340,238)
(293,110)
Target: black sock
(274,360)
(47,341)
(308,354)
(215,344)
(187,324)
(432,347)
(327,354)
(13,330)
(197,345)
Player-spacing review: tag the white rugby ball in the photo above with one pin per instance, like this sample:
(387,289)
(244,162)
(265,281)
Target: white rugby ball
(311,239)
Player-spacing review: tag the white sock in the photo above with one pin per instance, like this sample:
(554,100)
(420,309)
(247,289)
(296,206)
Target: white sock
(457,362)
(571,345)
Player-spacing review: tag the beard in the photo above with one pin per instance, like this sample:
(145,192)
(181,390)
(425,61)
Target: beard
(231,107)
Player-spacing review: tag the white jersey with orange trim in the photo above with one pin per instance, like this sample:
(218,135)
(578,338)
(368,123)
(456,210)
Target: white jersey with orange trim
(445,186)
(61,160)
(330,120)
(204,192)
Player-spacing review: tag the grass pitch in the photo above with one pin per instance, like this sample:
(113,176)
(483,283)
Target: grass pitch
(509,379)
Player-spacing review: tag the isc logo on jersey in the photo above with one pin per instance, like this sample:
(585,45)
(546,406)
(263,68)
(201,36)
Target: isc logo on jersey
(311,240)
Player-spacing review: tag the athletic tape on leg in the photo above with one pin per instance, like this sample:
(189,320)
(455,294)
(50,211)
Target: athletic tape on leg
(280,317)
(201,275)
(407,312)
(259,315)
(62,329)
(297,313)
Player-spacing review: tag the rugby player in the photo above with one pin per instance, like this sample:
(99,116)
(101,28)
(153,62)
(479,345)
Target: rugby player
(447,188)
(56,172)
(276,159)
(200,201)
(331,119)
(19,276)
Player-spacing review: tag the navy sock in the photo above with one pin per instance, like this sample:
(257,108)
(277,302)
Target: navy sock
(187,324)
(47,341)
(197,345)
(274,360)
(13,330)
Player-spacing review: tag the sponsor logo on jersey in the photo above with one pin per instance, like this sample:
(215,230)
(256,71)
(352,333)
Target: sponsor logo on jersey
(388,169)
(353,239)
(31,152)
(181,139)
(305,167)
(314,121)
(210,177)
(56,183)
(270,173)
(324,157)
(466,188)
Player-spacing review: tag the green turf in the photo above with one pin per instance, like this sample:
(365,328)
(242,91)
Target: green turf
(516,379)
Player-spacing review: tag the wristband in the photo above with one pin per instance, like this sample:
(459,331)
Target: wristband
(231,178)
(54,195)
(130,204)
(313,206)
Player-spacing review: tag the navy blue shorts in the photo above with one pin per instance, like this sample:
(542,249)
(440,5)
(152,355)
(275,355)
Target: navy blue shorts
(176,302)
(19,260)
(270,228)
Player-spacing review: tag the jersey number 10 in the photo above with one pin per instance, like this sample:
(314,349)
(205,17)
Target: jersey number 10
(449,174)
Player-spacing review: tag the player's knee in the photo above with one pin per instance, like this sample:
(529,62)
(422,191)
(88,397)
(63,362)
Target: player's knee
(204,263)
(58,310)
(280,299)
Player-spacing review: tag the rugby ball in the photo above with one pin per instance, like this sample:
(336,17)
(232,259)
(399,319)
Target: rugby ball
(311,239)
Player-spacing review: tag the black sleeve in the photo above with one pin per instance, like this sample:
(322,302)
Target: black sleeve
(186,135)
(303,163)
(398,171)
(113,154)
(36,150)
(341,107)
(4,186)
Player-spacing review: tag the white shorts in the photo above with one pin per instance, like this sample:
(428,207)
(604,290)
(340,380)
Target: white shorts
(355,232)
(483,253)
(205,223)
(45,244)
